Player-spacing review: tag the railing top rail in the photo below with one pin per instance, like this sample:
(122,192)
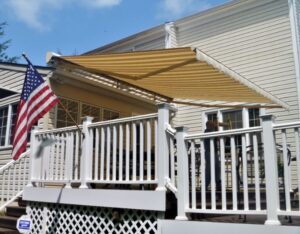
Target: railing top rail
(58,130)
(223,133)
(3,168)
(123,120)
(286,125)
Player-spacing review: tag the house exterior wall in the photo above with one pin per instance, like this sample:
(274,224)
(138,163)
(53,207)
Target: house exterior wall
(256,43)
(147,40)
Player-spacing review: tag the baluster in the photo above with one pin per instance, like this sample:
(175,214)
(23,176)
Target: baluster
(193,174)
(134,151)
(121,140)
(127,151)
(203,183)
(8,183)
(46,159)
(286,172)
(141,151)
(212,173)
(114,153)
(77,145)
(108,139)
(234,173)
(223,175)
(256,173)
(172,160)
(62,155)
(96,165)
(245,174)
(102,154)
(14,181)
(149,150)
(57,157)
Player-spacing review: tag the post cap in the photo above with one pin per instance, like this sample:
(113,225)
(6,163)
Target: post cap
(87,119)
(182,129)
(267,117)
(168,106)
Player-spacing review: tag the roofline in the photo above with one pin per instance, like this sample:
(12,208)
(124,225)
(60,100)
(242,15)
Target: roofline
(205,13)
(22,67)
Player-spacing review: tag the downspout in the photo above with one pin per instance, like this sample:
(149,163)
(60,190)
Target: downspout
(296,44)
(170,36)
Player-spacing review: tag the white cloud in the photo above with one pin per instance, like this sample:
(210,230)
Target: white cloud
(31,11)
(177,8)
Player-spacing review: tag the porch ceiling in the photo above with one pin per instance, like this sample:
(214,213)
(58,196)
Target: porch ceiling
(180,73)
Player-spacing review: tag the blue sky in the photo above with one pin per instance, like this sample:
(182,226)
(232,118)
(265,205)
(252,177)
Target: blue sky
(76,26)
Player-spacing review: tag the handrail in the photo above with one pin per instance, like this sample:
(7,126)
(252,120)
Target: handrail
(10,163)
(223,133)
(58,130)
(123,120)
(286,125)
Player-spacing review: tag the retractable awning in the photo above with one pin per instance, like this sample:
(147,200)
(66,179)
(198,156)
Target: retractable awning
(180,73)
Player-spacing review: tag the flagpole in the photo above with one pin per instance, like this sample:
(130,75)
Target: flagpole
(59,101)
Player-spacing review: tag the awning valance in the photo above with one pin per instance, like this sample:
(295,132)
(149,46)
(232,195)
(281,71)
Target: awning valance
(180,73)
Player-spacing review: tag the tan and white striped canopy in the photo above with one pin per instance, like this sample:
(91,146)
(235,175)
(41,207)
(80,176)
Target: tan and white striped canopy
(181,73)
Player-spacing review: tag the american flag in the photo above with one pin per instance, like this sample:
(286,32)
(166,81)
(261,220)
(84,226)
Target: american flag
(36,100)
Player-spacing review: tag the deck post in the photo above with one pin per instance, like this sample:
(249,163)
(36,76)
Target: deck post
(182,176)
(271,171)
(162,145)
(35,162)
(86,157)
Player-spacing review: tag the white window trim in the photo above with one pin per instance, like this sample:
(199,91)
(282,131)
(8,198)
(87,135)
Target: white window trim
(8,125)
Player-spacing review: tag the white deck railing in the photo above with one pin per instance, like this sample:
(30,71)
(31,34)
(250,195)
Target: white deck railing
(254,165)
(259,167)
(121,151)
(14,178)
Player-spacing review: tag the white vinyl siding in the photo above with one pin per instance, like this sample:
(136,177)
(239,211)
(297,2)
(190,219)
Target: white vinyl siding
(149,41)
(12,80)
(257,44)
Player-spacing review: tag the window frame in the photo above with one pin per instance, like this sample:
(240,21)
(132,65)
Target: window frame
(245,116)
(79,114)
(7,143)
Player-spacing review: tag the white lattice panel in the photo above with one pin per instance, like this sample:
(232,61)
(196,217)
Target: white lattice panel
(71,219)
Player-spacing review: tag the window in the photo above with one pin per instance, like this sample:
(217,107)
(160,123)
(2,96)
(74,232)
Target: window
(254,117)
(234,118)
(7,120)
(108,114)
(87,110)
(79,110)
(62,118)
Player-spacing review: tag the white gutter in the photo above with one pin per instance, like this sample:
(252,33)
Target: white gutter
(296,46)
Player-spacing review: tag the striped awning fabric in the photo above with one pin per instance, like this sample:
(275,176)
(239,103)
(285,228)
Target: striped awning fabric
(180,73)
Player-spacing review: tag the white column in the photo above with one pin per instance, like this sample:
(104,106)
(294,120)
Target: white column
(35,163)
(86,157)
(163,145)
(245,114)
(182,176)
(271,173)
